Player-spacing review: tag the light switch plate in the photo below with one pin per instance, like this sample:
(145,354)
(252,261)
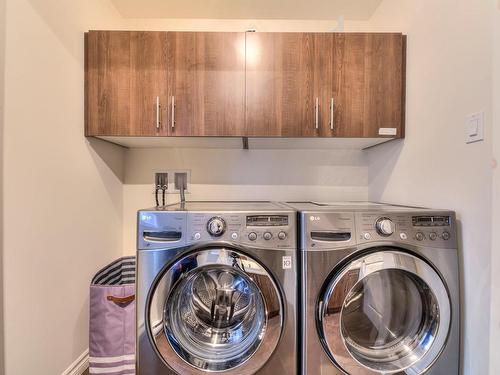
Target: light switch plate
(474,127)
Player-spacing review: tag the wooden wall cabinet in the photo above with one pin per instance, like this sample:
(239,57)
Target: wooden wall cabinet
(285,83)
(125,83)
(368,83)
(206,81)
(328,85)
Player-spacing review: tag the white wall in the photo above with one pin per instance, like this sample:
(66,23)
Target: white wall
(244,175)
(54,239)
(240,174)
(58,234)
(2,84)
(237,25)
(495,248)
(63,203)
(448,76)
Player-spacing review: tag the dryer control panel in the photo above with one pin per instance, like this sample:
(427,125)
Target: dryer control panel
(433,230)
(328,230)
(338,229)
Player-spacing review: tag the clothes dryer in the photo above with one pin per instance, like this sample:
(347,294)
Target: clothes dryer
(379,289)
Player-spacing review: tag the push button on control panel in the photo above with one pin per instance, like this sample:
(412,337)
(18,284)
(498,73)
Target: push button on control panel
(433,236)
(267,236)
(282,235)
(420,236)
(252,236)
(445,236)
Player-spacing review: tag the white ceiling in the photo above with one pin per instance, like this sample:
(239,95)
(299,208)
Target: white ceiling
(248,9)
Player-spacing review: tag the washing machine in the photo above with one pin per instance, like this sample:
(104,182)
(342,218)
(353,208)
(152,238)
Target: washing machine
(217,289)
(380,289)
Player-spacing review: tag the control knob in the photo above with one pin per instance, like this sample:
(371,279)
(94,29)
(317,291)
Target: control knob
(384,226)
(216,226)
(267,236)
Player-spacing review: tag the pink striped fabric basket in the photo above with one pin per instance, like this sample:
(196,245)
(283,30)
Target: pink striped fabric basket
(112,319)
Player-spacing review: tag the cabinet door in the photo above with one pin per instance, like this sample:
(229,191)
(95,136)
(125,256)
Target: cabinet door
(207,83)
(126,83)
(368,79)
(287,76)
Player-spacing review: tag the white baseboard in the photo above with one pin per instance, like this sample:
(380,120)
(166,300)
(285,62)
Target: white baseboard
(79,366)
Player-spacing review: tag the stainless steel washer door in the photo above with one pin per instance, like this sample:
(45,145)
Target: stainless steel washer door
(386,312)
(216,310)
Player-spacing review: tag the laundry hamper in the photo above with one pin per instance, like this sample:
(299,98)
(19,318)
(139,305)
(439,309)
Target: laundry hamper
(112,319)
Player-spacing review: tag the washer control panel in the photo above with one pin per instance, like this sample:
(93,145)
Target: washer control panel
(259,230)
(434,230)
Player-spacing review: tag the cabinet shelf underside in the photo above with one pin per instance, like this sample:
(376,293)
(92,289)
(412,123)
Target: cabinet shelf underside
(253,143)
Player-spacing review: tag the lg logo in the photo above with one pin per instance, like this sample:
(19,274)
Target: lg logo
(314,218)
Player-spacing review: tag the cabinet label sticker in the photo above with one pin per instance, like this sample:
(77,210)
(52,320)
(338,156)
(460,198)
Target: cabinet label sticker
(387,131)
(287,262)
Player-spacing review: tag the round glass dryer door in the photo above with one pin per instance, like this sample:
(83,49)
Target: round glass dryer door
(386,312)
(215,310)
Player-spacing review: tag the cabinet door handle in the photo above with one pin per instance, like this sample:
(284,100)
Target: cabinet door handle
(332,108)
(173,112)
(158,110)
(317,113)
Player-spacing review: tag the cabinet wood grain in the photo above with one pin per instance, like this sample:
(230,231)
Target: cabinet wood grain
(125,73)
(207,80)
(244,84)
(284,77)
(368,82)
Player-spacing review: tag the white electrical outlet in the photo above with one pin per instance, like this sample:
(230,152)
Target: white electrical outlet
(474,127)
